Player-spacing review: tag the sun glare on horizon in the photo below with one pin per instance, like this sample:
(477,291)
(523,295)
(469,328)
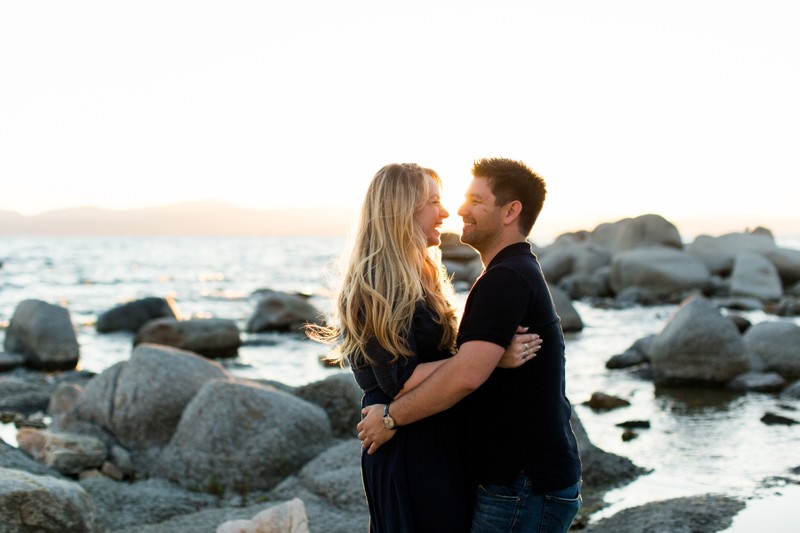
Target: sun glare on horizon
(687,110)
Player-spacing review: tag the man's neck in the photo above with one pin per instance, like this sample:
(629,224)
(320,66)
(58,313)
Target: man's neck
(496,246)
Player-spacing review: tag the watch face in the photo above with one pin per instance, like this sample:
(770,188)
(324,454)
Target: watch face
(388,422)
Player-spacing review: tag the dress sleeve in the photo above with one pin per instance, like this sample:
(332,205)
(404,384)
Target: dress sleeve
(391,377)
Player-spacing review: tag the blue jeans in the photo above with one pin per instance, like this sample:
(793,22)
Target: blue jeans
(516,508)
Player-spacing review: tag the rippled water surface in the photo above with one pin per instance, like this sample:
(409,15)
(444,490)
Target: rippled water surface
(712,442)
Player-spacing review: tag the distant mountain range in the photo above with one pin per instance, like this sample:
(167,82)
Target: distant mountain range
(196,218)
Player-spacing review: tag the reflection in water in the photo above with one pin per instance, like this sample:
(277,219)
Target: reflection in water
(694,400)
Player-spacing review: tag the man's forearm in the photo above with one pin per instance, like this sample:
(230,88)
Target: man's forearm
(451,382)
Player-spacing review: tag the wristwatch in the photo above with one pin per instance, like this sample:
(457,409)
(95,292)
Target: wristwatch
(388,421)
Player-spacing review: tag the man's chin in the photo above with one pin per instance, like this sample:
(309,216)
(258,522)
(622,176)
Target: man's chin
(466,239)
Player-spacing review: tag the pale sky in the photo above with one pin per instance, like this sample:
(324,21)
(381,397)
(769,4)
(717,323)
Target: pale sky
(683,108)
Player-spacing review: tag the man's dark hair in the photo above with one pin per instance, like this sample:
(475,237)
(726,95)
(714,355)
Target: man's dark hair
(512,180)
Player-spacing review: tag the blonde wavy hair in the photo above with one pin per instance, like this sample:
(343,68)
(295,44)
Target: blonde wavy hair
(390,269)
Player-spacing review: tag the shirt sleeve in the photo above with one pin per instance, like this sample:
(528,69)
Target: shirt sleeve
(498,304)
(391,377)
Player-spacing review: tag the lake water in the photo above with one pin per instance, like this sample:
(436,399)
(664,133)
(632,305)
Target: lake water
(697,443)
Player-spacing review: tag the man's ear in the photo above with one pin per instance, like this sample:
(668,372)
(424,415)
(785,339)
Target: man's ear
(511,211)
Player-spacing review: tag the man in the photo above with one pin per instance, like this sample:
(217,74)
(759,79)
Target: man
(521,448)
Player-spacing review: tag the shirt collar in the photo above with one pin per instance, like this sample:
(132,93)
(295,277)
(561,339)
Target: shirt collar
(518,248)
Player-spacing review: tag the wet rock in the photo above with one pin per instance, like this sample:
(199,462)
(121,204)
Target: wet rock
(10,360)
(626,359)
(772,419)
(602,471)
(41,503)
(777,344)
(44,334)
(235,433)
(211,337)
(279,311)
(133,315)
(634,424)
(792,391)
(679,515)
(605,402)
(698,346)
(634,355)
(758,382)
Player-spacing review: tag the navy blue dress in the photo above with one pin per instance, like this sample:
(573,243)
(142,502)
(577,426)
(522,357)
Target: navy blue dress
(416,482)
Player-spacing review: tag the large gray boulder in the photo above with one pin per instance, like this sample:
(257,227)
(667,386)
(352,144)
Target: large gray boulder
(777,345)
(334,476)
(121,505)
(662,272)
(44,504)
(566,258)
(131,316)
(235,434)
(462,262)
(755,276)
(211,337)
(719,253)
(340,396)
(570,319)
(140,401)
(280,311)
(698,346)
(210,520)
(44,334)
(602,470)
(454,250)
(788,264)
(644,230)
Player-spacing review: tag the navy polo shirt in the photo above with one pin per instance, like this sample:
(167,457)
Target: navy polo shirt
(518,420)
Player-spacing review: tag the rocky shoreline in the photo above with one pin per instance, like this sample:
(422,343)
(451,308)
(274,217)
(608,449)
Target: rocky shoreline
(168,440)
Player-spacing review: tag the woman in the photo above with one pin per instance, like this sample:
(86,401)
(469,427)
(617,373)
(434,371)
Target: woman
(395,325)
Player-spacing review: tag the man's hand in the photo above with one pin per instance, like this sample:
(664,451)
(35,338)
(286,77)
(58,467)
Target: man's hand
(371,430)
